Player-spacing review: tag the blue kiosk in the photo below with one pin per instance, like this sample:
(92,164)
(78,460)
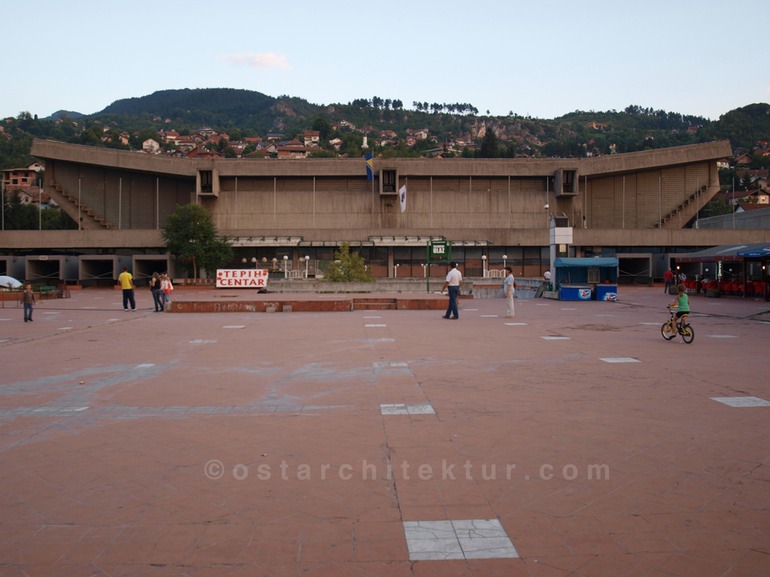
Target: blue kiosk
(584,279)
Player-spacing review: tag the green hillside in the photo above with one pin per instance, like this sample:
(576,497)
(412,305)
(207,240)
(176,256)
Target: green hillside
(244,113)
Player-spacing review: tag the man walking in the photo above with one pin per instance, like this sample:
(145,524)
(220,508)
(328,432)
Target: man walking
(126,281)
(509,289)
(453,279)
(28,301)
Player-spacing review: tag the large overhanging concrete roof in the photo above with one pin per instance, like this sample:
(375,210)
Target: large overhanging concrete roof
(418,167)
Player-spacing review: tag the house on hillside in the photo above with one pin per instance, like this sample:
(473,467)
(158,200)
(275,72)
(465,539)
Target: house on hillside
(292,149)
(151,146)
(22,178)
(203,153)
(311,138)
(33,195)
(170,136)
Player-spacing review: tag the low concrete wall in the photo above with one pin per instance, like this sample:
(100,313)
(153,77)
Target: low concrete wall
(478,288)
(486,289)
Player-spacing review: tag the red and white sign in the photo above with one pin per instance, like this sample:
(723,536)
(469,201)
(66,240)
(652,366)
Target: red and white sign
(241,278)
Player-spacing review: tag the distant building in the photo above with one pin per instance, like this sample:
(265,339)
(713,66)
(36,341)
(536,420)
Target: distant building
(627,203)
(311,138)
(292,149)
(151,146)
(22,178)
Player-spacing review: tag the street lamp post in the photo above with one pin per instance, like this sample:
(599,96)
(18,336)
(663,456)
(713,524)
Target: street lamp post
(395,270)
(505,260)
(484,265)
(307,264)
(285,266)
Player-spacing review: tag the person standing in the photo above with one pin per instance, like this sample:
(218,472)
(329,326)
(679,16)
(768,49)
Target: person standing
(157,297)
(28,301)
(668,278)
(126,281)
(509,290)
(453,279)
(166,287)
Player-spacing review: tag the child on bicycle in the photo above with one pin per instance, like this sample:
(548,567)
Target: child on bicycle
(681,303)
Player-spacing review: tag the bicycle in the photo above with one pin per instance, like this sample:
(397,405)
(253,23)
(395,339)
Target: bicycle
(674,326)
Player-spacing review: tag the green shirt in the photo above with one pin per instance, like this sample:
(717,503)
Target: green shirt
(683,303)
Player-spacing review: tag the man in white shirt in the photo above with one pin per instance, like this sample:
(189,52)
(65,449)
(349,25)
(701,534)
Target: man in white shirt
(509,290)
(453,279)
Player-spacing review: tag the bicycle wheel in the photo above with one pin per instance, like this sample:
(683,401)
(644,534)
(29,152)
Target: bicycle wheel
(667,331)
(688,333)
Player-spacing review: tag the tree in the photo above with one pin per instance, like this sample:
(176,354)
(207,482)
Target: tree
(57,219)
(489,146)
(20,216)
(191,236)
(323,127)
(348,266)
(716,207)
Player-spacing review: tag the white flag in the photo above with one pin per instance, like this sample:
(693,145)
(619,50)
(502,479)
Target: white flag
(402,198)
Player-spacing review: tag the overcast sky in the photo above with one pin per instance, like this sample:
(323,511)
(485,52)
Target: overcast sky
(542,59)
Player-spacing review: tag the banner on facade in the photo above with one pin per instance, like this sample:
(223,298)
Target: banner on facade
(241,278)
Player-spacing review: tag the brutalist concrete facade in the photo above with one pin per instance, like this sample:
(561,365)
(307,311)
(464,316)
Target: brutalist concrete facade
(295,208)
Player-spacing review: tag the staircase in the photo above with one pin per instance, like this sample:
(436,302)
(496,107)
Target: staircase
(68,202)
(682,207)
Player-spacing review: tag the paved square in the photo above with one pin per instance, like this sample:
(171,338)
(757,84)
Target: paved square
(164,444)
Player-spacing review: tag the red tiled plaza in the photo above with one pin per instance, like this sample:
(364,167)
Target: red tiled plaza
(571,440)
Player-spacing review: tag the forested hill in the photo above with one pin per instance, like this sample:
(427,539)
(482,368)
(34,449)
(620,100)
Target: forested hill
(224,108)
(244,113)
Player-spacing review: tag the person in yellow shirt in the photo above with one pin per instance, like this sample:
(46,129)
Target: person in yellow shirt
(126,281)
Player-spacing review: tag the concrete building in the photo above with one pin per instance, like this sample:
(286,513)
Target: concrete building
(494,211)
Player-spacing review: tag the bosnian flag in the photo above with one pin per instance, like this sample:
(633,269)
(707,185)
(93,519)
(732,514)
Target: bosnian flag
(369,158)
(402,198)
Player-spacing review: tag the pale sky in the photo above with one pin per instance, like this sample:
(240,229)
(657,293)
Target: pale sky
(542,58)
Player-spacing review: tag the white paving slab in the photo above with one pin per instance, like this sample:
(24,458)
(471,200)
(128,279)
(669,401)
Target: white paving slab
(742,401)
(516,324)
(390,365)
(404,409)
(458,539)
(620,360)
(374,325)
(234,327)
(722,336)
(555,338)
